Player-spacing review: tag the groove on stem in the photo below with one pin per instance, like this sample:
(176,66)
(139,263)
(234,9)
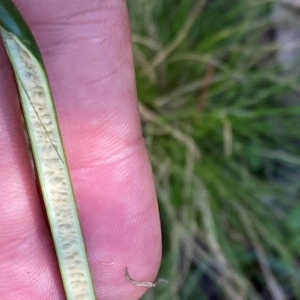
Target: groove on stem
(48,152)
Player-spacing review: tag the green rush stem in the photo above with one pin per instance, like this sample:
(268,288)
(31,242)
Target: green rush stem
(49,157)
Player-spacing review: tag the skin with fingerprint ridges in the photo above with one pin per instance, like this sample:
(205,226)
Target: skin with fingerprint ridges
(97,109)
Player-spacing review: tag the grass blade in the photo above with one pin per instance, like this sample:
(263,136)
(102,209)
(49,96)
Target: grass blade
(48,152)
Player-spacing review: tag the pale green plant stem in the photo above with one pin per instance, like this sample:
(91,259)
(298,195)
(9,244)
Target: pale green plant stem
(49,157)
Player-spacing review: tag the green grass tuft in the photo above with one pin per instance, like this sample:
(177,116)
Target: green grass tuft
(223,146)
